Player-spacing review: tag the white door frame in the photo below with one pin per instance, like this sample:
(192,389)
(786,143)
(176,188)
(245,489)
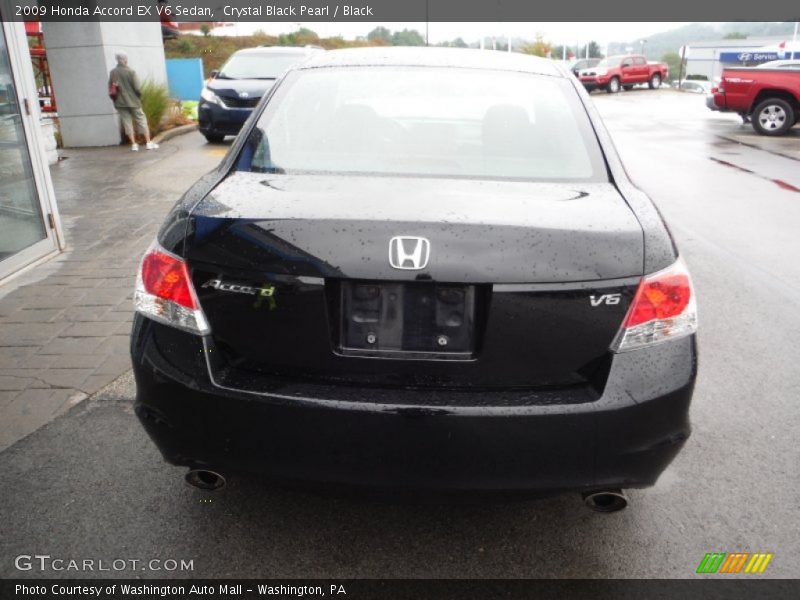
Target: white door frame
(28,102)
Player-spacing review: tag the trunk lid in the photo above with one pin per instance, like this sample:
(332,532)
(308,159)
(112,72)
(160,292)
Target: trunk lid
(528,282)
(479,231)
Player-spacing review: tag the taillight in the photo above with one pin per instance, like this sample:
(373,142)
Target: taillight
(663,309)
(164,291)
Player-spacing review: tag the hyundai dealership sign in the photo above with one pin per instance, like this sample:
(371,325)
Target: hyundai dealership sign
(748,56)
(763,54)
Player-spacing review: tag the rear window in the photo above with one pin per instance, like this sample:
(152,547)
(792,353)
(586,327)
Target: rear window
(425,121)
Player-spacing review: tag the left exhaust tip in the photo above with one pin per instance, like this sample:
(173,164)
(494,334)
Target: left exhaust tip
(606,501)
(206,480)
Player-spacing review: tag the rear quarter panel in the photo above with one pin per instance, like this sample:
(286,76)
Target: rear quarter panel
(743,87)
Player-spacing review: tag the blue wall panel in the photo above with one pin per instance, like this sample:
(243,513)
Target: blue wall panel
(185,76)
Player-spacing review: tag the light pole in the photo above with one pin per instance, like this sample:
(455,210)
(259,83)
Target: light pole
(641,49)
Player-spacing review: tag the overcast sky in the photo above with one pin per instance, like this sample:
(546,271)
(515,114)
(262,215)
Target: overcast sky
(557,33)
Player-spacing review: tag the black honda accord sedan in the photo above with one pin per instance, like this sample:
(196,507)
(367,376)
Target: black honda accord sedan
(419,269)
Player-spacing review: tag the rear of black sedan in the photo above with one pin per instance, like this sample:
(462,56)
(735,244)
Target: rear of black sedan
(418,269)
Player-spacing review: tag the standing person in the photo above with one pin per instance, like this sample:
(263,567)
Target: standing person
(128,103)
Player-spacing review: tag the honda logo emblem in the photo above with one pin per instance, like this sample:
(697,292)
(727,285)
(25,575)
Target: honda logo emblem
(409,253)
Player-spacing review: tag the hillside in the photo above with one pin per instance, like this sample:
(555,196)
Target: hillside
(670,41)
(215,50)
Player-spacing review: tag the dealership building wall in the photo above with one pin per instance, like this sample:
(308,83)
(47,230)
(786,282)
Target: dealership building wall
(710,58)
(81,55)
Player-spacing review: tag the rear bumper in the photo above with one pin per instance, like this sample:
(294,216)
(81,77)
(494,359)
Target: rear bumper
(217,120)
(710,104)
(624,439)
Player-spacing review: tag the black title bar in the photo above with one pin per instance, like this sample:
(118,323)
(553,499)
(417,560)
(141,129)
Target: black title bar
(396,10)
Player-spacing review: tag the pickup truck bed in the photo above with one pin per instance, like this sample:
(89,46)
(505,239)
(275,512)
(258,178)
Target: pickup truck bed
(769,97)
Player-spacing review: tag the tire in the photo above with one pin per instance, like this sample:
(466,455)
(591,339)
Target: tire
(613,86)
(655,81)
(773,116)
(214,138)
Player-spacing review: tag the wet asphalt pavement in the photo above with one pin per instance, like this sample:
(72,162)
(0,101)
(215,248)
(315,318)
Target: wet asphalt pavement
(90,485)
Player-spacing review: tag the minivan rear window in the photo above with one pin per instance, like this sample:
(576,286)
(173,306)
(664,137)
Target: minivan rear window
(425,121)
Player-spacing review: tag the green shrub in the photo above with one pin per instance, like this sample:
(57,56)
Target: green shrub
(189,109)
(155,101)
(186,45)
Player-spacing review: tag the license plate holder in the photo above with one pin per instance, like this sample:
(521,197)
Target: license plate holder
(407,320)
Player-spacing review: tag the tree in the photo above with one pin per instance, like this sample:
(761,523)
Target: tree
(407,37)
(301,37)
(594,50)
(735,35)
(380,35)
(305,36)
(456,43)
(673,60)
(538,47)
(205,29)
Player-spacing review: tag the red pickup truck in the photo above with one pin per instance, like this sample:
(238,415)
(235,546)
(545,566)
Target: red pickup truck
(769,97)
(623,71)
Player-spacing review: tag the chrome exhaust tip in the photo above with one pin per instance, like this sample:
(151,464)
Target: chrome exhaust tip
(605,501)
(203,479)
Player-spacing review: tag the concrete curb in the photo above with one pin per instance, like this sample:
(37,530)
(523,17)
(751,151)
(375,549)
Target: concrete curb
(171,133)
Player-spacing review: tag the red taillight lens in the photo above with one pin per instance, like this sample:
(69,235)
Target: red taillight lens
(167,277)
(663,297)
(663,309)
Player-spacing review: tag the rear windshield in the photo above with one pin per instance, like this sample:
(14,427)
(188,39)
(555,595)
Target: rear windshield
(425,121)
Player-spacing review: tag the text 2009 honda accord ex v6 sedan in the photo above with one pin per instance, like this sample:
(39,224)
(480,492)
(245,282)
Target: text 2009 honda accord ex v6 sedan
(420,269)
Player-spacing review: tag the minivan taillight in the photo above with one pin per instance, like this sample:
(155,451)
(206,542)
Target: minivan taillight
(164,292)
(663,309)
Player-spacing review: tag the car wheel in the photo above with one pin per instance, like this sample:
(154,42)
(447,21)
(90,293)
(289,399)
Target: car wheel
(773,116)
(613,85)
(214,138)
(655,81)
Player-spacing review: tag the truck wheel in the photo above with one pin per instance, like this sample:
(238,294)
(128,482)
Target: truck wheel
(613,85)
(655,81)
(773,116)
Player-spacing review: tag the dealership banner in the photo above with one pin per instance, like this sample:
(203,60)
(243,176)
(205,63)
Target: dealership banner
(388,10)
(755,56)
(404,589)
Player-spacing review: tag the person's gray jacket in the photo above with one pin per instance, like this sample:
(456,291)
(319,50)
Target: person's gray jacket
(128,82)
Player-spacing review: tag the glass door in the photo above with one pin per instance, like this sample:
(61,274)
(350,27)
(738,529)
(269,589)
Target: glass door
(25,231)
